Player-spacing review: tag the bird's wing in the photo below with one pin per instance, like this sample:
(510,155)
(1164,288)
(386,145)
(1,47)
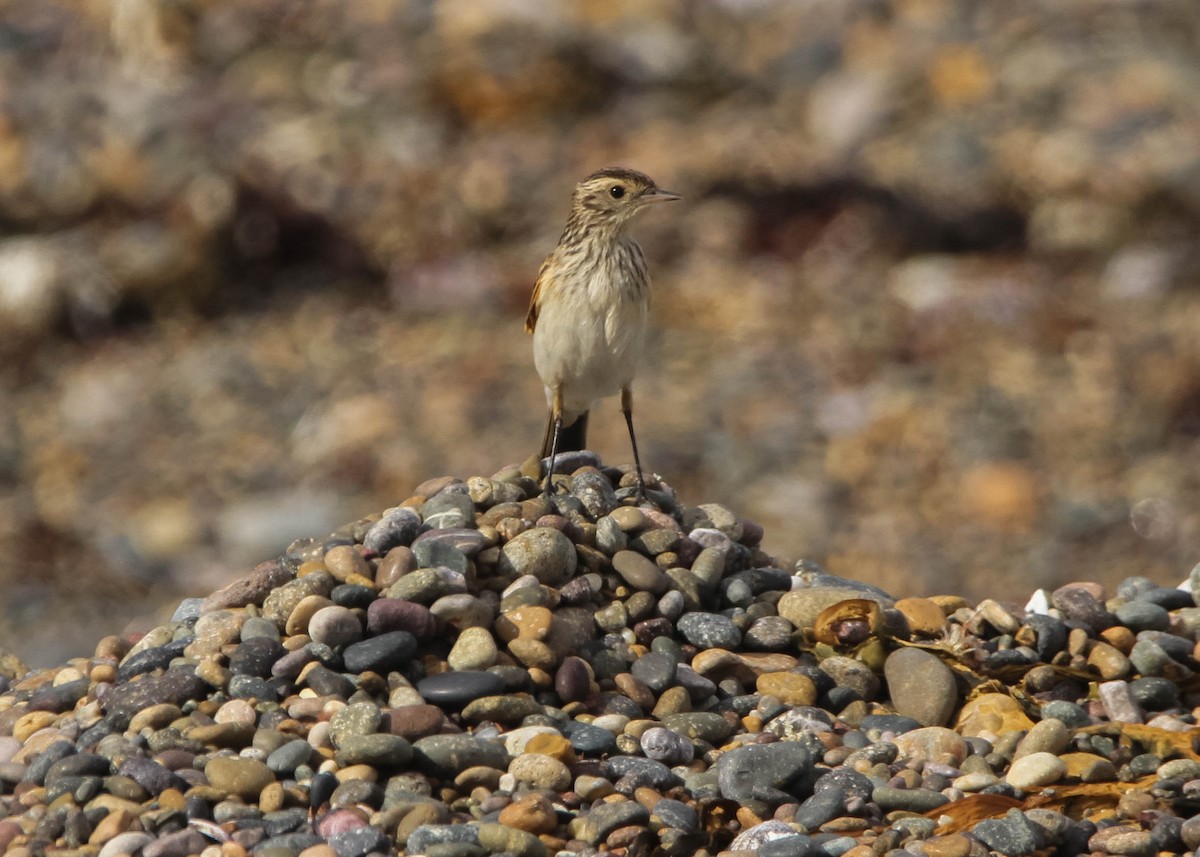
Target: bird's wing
(535,301)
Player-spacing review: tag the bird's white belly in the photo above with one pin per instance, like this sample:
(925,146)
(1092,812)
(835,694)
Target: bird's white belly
(591,355)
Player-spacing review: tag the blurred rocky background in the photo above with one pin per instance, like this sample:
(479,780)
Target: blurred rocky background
(930,311)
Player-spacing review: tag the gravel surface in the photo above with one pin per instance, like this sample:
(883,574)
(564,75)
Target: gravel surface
(928,311)
(485,670)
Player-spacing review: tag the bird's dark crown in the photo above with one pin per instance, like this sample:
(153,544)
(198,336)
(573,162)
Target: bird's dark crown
(621,173)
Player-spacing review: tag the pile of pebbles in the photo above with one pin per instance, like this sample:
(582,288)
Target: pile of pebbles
(486,670)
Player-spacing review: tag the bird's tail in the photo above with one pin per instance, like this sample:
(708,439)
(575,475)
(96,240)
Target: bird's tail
(571,438)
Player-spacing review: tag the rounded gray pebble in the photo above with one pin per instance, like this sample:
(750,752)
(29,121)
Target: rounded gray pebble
(639,572)
(427,585)
(610,538)
(762,771)
(397,527)
(445,756)
(358,841)
(1072,715)
(433,553)
(1143,616)
(448,510)
(378,751)
(1013,836)
(667,747)
(674,813)
(921,686)
(656,670)
(910,800)
(603,818)
(290,756)
(335,626)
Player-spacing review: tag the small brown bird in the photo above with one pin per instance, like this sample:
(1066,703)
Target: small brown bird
(589,309)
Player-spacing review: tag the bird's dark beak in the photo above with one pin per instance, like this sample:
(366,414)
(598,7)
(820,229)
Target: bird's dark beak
(657,194)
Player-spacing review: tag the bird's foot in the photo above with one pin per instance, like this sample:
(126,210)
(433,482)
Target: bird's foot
(632,492)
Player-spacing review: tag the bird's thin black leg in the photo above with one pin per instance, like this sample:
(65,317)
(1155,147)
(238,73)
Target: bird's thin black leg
(627,409)
(558,424)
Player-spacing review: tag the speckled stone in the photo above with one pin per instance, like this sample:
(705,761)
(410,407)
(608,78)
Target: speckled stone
(356,719)
(427,585)
(445,756)
(603,819)
(509,708)
(440,553)
(1011,836)
(540,771)
(544,552)
(788,688)
(502,839)
(414,721)
(760,771)
(174,687)
(462,611)
(358,842)
(475,649)
(377,750)
(709,630)
(253,588)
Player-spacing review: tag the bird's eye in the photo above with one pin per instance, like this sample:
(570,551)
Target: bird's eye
(616,191)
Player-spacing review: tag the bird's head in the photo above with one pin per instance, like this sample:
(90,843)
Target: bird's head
(615,194)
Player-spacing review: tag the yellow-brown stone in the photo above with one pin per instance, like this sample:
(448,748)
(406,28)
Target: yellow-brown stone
(555,746)
(531,622)
(1089,768)
(925,617)
(116,822)
(789,688)
(992,714)
(32,722)
(533,813)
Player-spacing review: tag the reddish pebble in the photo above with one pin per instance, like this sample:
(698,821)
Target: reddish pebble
(573,679)
(414,721)
(9,830)
(396,614)
(339,821)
